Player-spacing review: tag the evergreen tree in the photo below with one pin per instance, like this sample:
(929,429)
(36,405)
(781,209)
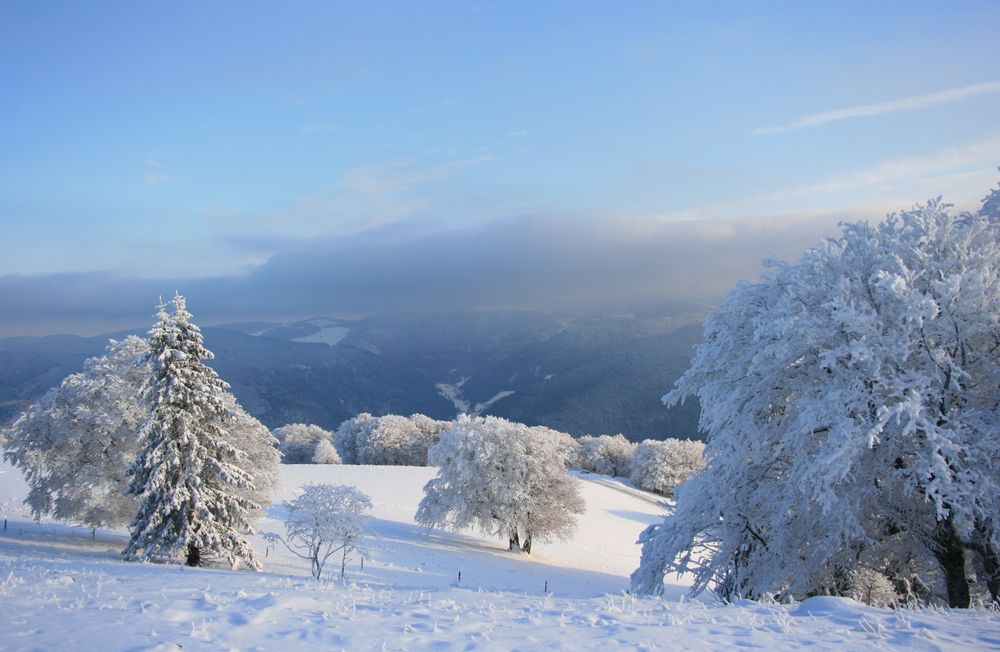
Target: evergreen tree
(192,471)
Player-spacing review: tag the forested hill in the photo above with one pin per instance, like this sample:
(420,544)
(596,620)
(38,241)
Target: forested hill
(580,373)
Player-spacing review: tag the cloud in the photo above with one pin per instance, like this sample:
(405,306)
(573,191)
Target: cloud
(376,194)
(533,262)
(976,158)
(960,174)
(155,174)
(882,108)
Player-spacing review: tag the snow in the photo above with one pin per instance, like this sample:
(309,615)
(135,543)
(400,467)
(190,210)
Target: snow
(62,590)
(480,407)
(453,393)
(326,334)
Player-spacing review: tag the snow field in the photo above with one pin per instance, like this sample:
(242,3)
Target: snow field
(598,560)
(59,589)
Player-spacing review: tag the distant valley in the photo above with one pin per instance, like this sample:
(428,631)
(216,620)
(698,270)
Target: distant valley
(581,373)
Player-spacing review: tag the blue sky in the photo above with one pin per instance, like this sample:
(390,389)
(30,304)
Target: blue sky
(331,158)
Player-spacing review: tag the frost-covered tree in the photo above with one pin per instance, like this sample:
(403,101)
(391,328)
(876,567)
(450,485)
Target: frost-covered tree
(853,416)
(389,439)
(325,453)
(607,455)
(394,440)
(259,455)
(323,520)
(74,444)
(300,443)
(504,478)
(196,467)
(872,587)
(662,466)
(569,446)
(429,432)
(345,438)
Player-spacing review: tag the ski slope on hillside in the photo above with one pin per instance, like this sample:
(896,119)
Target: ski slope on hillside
(61,589)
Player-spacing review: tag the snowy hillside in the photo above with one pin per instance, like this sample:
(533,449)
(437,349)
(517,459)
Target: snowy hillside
(63,590)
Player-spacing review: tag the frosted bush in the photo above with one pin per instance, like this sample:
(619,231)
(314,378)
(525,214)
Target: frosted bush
(300,444)
(325,453)
(873,588)
(662,466)
(606,454)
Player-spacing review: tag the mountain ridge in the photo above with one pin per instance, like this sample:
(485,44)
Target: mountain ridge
(583,373)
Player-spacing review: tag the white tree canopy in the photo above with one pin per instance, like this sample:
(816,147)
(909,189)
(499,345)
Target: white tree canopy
(506,479)
(325,453)
(345,438)
(323,520)
(607,454)
(74,444)
(301,443)
(389,439)
(662,466)
(851,404)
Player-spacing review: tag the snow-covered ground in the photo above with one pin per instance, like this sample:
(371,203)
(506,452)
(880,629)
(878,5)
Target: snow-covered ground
(453,393)
(331,335)
(61,589)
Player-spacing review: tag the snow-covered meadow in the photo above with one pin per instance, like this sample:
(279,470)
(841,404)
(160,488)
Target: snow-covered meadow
(61,589)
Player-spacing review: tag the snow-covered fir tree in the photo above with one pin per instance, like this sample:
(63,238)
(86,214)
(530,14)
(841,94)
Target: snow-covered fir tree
(662,466)
(200,456)
(74,444)
(853,420)
(506,479)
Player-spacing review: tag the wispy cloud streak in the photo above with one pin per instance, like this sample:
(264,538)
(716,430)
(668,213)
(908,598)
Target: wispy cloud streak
(882,108)
(959,173)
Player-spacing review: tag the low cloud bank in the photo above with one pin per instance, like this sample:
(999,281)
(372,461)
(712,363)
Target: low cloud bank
(532,262)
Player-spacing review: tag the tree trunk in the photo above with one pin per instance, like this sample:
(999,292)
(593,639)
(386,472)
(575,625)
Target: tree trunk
(991,564)
(317,568)
(193,556)
(527,543)
(950,554)
(514,541)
